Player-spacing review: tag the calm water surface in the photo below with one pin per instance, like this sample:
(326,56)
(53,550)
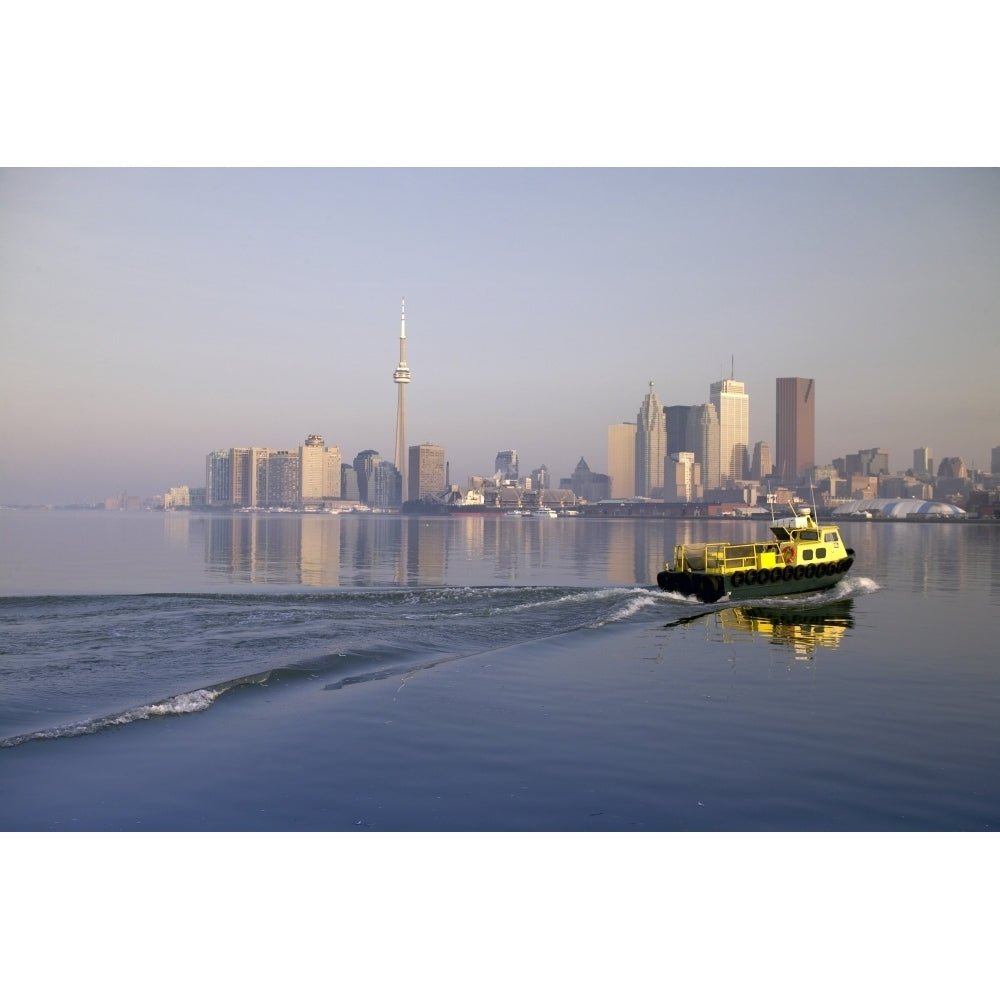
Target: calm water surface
(281,672)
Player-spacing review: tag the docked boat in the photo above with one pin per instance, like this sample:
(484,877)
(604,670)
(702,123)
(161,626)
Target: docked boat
(544,512)
(803,557)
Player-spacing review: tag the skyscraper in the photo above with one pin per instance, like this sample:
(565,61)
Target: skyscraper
(702,438)
(506,465)
(426,470)
(761,465)
(794,428)
(621,459)
(733,407)
(677,417)
(923,461)
(650,446)
(401,376)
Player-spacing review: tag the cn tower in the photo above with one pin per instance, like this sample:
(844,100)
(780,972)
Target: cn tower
(401,376)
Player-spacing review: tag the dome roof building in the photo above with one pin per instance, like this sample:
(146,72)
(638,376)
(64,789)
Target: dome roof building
(899,509)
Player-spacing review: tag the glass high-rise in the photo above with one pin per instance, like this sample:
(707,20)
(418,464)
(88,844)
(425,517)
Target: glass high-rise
(702,436)
(732,405)
(794,428)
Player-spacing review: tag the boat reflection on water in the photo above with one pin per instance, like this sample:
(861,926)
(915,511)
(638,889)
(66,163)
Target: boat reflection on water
(802,628)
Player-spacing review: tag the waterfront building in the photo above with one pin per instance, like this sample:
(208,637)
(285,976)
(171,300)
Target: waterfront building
(794,428)
(591,487)
(232,477)
(385,490)
(401,376)
(995,461)
(923,462)
(650,446)
(282,481)
(621,459)
(349,482)
(732,405)
(426,471)
(217,485)
(319,472)
(703,439)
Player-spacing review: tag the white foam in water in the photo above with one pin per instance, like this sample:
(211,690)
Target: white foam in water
(640,599)
(181,704)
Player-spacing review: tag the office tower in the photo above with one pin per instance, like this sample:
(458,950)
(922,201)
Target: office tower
(923,462)
(426,471)
(794,428)
(232,477)
(677,417)
(650,446)
(364,464)
(312,470)
(401,376)
(283,477)
(505,465)
(952,468)
(385,489)
(761,465)
(703,440)
(540,478)
(994,461)
(589,486)
(683,478)
(218,488)
(621,459)
(319,471)
(733,407)
(349,482)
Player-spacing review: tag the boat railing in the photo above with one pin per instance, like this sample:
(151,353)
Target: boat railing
(723,557)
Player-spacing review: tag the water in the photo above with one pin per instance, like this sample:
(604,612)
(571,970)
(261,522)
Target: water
(286,672)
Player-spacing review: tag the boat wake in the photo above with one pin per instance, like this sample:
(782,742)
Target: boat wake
(844,590)
(342,640)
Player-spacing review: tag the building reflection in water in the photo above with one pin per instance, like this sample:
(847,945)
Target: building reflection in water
(314,550)
(801,629)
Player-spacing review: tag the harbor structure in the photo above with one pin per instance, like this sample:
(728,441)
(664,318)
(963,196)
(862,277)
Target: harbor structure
(401,376)
(794,428)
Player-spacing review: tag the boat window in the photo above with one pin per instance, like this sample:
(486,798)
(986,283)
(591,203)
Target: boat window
(809,536)
(821,553)
(830,536)
(806,553)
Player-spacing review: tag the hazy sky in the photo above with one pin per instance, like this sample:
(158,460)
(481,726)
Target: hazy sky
(149,316)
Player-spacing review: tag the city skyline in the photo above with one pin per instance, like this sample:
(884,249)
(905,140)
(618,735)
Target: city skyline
(148,317)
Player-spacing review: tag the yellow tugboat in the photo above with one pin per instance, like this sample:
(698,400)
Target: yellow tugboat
(803,557)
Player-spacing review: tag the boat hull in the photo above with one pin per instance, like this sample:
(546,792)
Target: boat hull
(709,587)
